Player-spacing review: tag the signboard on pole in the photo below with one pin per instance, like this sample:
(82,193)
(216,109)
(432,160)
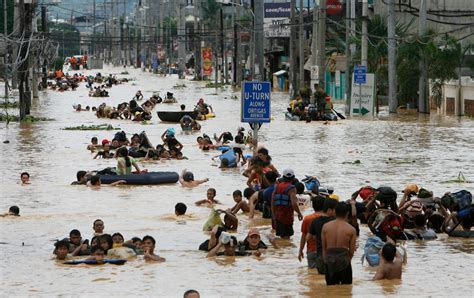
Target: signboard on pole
(255,102)
(207,61)
(360,74)
(366,92)
(276,19)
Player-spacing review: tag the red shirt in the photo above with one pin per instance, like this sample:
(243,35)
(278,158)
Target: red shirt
(308,219)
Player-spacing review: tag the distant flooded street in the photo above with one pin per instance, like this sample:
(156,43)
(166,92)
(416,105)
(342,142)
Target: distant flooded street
(423,149)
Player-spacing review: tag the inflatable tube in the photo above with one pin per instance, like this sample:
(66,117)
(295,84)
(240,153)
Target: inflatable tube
(151,178)
(230,156)
(291,117)
(94,262)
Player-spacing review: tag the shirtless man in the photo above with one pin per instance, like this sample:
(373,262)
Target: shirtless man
(390,266)
(339,241)
(148,244)
(187,179)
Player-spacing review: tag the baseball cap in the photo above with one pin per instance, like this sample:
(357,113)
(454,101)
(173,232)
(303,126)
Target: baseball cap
(105,141)
(253,231)
(288,173)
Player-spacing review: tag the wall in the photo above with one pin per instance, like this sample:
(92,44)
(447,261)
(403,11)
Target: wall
(450,104)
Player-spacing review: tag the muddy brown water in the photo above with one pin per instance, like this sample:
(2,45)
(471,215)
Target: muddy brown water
(394,151)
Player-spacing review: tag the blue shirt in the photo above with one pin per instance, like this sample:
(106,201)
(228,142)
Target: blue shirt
(268,192)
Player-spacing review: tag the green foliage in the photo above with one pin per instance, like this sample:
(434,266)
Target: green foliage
(377,50)
(210,9)
(10,13)
(93,127)
(9,105)
(28,119)
(441,57)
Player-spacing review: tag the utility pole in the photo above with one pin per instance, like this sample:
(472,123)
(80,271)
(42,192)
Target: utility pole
(197,42)
(238,53)
(44,28)
(224,50)
(15,48)
(235,59)
(5,32)
(348,80)
(422,98)
(294,81)
(112,24)
(258,30)
(322,43)
(26,14)
(301,43)
(182,44)
(223,67)
(392,79)
(314,41)
(363,46)
(122,29)
(353,26)
(94,20)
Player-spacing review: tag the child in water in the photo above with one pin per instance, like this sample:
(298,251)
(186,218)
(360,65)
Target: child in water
(210,200)
(240,204)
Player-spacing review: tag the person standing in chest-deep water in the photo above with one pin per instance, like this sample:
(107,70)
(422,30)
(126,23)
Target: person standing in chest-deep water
(284,204)
(339,241)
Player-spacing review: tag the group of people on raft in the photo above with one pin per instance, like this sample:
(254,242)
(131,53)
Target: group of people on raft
(319,107)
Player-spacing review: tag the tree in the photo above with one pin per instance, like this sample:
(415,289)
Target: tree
(10,13)
(442,58)
(210,10)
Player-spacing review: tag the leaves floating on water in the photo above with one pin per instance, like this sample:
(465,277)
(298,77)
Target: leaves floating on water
(214,85)
(400,161)
(28,118)
(459,179)
(93,127)
(177,86)
(355,162)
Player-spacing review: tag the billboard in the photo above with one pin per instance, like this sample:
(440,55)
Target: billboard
(277,18)
(207,61)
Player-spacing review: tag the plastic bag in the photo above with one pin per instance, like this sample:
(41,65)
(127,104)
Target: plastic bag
(213,220)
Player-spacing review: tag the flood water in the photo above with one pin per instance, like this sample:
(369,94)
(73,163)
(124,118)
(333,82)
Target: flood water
(426,150)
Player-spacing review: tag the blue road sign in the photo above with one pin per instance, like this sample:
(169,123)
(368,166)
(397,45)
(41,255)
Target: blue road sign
(360,74)
(255,102)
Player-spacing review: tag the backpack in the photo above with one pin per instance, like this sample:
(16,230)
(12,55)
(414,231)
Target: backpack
(392,226)
(372,250)
(366,192)
(312,183)
(386,195)
(463,198)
